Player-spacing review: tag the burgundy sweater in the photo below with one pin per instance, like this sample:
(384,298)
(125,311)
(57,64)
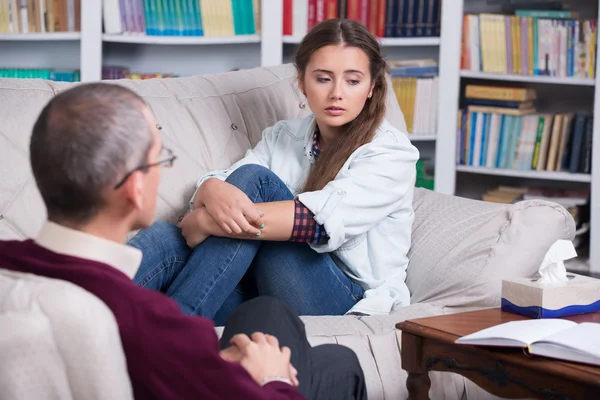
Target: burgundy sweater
(169,355)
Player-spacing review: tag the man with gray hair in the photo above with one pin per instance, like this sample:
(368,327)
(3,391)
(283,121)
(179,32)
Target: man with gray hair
(96,155)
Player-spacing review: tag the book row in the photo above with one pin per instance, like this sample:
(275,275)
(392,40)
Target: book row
(384,18)
(43,16)
(550,43)
(182,17)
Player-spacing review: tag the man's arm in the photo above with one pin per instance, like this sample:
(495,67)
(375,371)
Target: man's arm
(183,354)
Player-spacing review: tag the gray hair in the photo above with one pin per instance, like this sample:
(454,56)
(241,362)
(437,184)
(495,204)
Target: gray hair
(85,140)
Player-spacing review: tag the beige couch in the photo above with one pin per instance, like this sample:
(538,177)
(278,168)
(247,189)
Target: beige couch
(461,249)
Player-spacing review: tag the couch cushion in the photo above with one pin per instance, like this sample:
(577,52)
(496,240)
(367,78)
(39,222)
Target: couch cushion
(54,340)
(209,121)
(462,249)
(378,346)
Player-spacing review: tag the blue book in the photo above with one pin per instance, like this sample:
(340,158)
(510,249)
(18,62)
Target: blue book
(196,18)
(461,137)
(503,141)
(414,72)
(485,138)
(499,103)
(391,17)
(571,40)
(515,136)
(149,14)
(474,117)
(576,143)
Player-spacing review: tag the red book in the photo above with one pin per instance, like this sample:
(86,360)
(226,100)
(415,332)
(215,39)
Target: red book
(312,14)
(372,16)
(364,12)
(381,18)
(320,11)
(354,10)
(288,17)
(331,9)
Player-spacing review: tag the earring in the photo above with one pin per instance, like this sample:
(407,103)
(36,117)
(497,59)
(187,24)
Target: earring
(302,104)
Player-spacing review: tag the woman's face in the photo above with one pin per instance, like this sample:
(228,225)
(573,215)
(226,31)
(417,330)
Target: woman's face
(337,83)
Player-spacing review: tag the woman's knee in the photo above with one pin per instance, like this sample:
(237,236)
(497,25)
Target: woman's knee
(161,234)
(259,183)
(249,172)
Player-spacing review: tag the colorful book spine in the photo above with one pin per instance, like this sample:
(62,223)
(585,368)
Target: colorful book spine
(181,17)
(530,43)
(41,73)
(384,18)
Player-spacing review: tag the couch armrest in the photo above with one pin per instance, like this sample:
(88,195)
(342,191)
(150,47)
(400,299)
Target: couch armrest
(462,249)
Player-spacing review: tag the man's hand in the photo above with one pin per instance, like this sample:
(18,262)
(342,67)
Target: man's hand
(192,228)
(234,355)
(262,357)
(231,209)
(231,354)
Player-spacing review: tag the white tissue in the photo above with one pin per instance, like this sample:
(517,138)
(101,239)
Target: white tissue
(553,270)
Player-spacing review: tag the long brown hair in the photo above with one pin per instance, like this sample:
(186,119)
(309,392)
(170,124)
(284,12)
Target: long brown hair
(362,129)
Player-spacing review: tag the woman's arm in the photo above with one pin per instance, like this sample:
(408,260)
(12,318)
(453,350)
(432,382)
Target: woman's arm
(278,220)
(260,154)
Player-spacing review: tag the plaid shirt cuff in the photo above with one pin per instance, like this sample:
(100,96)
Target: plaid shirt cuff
(306,229)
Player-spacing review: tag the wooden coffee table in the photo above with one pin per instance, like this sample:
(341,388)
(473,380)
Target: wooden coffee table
(428,345)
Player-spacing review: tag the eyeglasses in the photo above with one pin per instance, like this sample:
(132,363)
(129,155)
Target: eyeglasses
(167,160)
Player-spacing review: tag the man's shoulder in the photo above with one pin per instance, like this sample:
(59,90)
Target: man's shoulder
(13,253)
(12,245)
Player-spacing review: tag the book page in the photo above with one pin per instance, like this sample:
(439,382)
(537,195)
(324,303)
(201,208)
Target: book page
(579,344)
(517,333)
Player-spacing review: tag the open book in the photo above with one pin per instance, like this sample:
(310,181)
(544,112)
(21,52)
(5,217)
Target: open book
(555,338)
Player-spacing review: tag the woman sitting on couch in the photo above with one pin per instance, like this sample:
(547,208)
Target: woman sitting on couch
(319,213)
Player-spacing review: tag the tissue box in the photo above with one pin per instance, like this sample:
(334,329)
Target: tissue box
(580,295)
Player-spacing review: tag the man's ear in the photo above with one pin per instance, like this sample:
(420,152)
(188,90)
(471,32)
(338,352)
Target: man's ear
(134,188)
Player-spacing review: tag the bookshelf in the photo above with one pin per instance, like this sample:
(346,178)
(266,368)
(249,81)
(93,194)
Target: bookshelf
(555,93)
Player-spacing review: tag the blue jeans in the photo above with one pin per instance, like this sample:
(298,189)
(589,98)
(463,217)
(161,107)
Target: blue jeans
(221,273)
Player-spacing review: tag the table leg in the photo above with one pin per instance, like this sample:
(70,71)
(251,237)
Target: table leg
(418,382)
(418,385)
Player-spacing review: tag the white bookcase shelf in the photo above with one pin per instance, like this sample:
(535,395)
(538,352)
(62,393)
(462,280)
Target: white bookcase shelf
(556,80)
(41,37)
(181,40)
(291,39)
(413,42)
(421,138)
(547,175)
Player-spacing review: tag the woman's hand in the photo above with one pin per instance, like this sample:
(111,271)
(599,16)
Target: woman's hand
(231,209)
(193,229)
